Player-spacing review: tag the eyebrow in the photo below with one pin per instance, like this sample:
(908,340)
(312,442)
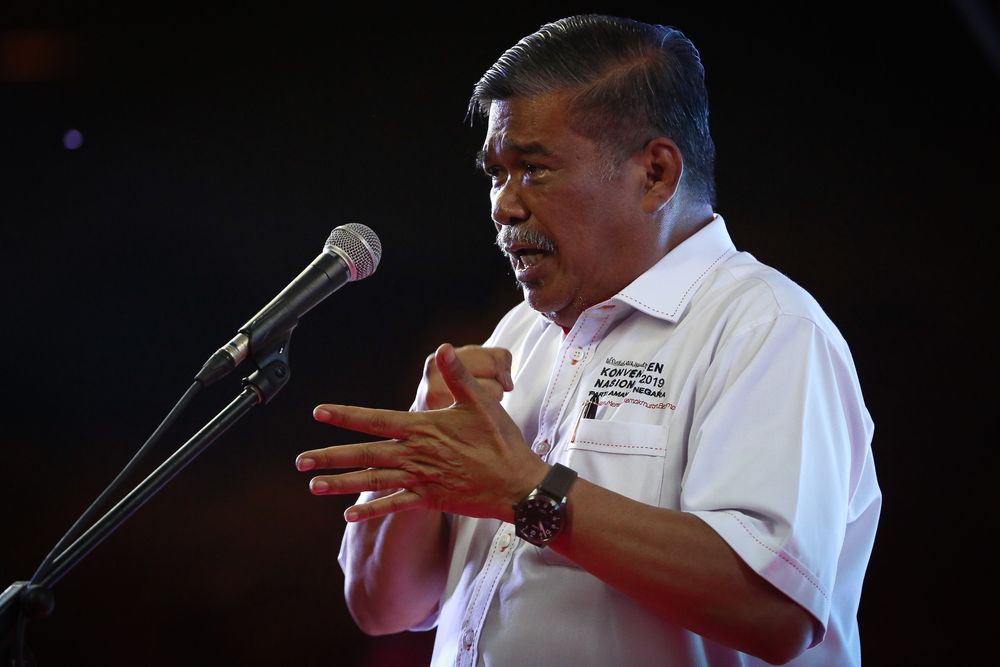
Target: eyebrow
(532,148)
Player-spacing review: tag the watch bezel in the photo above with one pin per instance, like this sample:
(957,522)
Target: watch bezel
(554,492)
(539,507)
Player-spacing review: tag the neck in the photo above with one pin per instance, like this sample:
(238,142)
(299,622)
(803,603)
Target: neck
(675,227)
(679,225)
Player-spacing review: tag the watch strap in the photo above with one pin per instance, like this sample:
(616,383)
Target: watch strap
(557,482)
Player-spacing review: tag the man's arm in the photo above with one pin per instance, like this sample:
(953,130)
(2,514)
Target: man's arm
(395,569)
(471,459)
(678,567)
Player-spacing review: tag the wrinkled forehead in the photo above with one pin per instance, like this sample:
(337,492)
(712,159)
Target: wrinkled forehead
(502,121)
(499,114)
(520,121)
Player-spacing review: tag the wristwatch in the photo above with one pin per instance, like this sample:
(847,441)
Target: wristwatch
(542,515)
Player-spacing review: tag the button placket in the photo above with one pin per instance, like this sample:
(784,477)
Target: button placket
(505,541)
(485,589)
(577,349)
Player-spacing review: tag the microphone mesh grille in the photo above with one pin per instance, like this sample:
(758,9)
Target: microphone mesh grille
(359,243)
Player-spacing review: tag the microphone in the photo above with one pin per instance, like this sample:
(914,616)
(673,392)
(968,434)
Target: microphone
(351,253)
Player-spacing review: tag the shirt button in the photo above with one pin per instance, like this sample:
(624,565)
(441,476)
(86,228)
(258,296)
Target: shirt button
(467,638)
(542,447)
(504,541)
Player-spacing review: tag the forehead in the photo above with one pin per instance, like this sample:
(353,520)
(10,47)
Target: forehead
(540,120)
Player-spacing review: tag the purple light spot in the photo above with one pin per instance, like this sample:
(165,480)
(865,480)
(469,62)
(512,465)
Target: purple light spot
(73,139)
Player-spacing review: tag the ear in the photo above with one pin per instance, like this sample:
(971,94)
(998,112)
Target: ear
(664,165)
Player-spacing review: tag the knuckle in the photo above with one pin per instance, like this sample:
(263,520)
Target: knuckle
(500,357)
(393,503)
(419,427)
(493,388)
(468,352)
(367,456)
(378,423)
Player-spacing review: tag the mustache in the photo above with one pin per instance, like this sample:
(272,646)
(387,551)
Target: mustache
(511,235)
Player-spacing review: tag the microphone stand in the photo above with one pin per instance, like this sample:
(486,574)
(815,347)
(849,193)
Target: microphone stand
(30,600)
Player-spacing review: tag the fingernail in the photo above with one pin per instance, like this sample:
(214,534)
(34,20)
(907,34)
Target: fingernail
(319,414)
(305,464)
(351,514)
(318,486)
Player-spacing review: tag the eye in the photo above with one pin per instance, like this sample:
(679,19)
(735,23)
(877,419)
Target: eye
(533,169)
(492,172)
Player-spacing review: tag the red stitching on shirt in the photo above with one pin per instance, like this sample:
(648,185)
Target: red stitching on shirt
(545,411)
(808,577)
(686,292)
(579,368)
(474,601)
(609,444)
(489,560)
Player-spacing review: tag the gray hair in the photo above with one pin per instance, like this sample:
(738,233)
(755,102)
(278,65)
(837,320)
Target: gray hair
(633,81)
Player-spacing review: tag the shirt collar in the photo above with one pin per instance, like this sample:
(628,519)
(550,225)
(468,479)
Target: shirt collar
(666,288)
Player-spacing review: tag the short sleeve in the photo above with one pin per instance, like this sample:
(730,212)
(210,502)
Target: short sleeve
(779,441)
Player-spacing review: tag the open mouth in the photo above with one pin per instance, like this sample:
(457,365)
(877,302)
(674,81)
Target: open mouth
(526,249)
(525,258)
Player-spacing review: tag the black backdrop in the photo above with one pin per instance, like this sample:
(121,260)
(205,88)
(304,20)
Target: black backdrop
(857,153)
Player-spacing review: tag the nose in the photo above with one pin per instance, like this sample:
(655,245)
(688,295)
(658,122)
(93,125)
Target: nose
(508,205)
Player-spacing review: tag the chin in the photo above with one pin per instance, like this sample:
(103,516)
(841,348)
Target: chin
(546,304)
(534,295)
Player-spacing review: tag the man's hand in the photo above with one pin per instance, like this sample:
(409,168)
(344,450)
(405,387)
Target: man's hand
(468,459)
(491,366)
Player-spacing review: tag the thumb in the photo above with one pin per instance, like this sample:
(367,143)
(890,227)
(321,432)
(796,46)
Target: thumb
(462,385)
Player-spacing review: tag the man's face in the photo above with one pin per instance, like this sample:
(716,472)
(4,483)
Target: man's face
(573,236)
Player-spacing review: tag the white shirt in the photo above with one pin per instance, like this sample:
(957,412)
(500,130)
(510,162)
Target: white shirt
(725,392)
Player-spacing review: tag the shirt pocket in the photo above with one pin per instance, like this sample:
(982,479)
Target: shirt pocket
(624,457)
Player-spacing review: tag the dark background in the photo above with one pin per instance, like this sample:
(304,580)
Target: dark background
(857,152)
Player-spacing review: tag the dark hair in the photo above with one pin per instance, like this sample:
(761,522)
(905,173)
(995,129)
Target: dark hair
(635,80)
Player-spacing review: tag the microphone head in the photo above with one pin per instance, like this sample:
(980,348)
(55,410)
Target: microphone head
(357,245)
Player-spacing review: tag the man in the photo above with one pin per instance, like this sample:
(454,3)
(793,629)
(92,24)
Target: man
(696,410)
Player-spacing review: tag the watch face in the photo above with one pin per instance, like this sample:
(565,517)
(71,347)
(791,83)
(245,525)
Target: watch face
(539,519)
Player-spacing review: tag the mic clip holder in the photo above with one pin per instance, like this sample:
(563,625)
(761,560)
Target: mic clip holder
(273,371)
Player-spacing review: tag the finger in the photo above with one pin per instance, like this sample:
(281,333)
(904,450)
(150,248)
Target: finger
(387,423)
(373,479)
(504,363)
(493,388)
(400,501)
(488,362)
(456,376)
(381,454)
(482,362)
